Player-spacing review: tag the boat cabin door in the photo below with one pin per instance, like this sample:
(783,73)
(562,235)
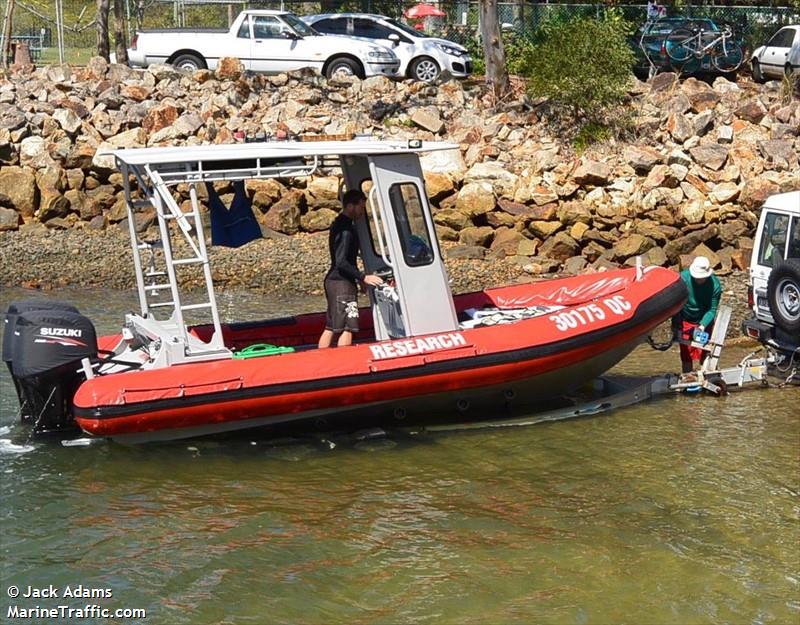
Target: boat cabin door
(406,243)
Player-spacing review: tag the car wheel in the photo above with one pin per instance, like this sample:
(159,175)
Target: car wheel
(783,294)
(425,69)
(189,62)
(344,67)
(755,67)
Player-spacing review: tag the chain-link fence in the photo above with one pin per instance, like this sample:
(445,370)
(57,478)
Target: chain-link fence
(35,20)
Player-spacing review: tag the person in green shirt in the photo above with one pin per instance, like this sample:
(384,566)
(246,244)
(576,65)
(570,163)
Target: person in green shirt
(700,310)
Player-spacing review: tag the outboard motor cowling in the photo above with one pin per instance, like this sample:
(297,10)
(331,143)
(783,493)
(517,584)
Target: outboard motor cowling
(47,349)
(9,324)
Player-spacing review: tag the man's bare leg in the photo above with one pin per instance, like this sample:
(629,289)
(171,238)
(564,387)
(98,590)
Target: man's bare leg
(345,339)
(325,339)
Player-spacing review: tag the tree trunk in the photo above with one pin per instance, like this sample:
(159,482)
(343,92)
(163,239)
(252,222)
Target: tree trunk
(120,42)
(7,22)
(102,28)
(493,51)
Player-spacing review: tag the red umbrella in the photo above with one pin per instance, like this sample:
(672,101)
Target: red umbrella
(424,10)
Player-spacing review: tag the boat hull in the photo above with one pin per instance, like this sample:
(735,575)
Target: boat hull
(463,375)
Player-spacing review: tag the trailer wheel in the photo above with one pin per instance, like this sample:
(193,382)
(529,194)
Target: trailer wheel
(190,62)
(783,294)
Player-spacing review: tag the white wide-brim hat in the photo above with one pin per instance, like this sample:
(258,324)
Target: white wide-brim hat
(700,268)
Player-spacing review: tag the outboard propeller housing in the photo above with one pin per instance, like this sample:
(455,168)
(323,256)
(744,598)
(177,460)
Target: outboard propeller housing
(47,347)
(9,324)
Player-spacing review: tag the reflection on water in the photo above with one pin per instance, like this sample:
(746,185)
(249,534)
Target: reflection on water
(683,510)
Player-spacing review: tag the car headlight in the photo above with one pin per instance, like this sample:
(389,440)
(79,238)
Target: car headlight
(450,50)
(383,55)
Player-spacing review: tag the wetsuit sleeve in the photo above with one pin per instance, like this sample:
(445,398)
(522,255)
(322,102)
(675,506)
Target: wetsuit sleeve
(711,314)
(344,266)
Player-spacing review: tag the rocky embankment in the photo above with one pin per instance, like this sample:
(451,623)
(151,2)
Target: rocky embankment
(514,201)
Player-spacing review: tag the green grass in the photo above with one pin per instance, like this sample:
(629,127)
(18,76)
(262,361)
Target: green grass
(73,56)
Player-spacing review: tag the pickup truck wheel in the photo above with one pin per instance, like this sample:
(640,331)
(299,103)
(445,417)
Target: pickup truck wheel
(783,294)
(425,69)
(189,62)
(343,66)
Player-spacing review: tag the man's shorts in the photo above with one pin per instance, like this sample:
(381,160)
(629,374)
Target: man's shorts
(342,296)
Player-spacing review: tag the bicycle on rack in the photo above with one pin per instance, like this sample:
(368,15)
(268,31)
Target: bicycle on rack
(726,54)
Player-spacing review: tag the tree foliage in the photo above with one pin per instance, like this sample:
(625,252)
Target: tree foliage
(583,64)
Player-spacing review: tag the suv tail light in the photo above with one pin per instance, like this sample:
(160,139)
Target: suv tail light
(750,298)
(134,41)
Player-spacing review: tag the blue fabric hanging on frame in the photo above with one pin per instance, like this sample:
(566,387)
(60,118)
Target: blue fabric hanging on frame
(234,226)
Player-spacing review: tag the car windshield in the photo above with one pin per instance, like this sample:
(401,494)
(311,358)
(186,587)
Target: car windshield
(299,26)
(407,29)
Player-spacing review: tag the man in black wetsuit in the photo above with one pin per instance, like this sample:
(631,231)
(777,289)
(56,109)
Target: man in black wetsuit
(341,281)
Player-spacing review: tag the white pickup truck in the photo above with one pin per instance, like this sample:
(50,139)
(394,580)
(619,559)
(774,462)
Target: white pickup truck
(264,41)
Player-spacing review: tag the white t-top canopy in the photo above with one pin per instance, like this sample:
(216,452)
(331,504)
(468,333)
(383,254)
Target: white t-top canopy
(271,150)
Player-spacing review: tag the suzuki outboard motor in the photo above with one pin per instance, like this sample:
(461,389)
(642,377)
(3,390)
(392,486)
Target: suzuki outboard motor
(47,350)
(9,324)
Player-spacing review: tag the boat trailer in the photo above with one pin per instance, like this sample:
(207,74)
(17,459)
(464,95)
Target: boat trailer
(611,392)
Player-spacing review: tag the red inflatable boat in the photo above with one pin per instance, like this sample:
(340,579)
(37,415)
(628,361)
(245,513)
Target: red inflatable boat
(543,339)
(422,355)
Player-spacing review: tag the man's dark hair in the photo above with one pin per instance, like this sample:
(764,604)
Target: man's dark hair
(353,196)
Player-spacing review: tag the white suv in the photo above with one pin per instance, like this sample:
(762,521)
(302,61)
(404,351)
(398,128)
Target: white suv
(774,285)
(421,56)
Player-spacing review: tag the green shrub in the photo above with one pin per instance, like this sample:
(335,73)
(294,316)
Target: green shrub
(582,64)
(518,48)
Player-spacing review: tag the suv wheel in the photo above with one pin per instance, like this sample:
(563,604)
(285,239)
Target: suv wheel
(783,294)
(756,71)
(425,69)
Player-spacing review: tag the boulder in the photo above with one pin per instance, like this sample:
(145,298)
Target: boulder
(502,180)
(449,162)
(452,219)
(688,242)
(438,186)
(710,155)
(506,242)
(465,252)
(476,236)
(11,117)
(642,159)
(592,173)
(724,192)
(284,215)
(780,153)
(560,247)
(731,231)
(693,212)
(159,117)
(541,195)
(632,245)
(18,190)
(475,198)
(9,219)
(229,68)
(544,229)
(68,120)
(264,193)
(52,203)
(34,152)
(755,192)
(573,212)
(752,111)
(679,127)
(660,176)
(318,220)
(428,118)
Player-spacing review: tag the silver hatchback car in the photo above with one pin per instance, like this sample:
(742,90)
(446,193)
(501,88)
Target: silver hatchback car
(421,56)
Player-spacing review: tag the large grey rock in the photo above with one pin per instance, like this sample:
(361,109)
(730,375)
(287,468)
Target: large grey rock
(68,120)
(428,118)
(642,159)
(711,156)
(502,181)
(9,219)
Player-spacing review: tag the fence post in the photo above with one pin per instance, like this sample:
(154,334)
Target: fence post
(60,30)
(6,35)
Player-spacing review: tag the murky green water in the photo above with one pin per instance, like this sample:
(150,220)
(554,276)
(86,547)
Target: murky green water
(684,510)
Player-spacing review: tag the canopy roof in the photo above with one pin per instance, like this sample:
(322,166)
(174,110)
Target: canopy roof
(424,10)
(272,150)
